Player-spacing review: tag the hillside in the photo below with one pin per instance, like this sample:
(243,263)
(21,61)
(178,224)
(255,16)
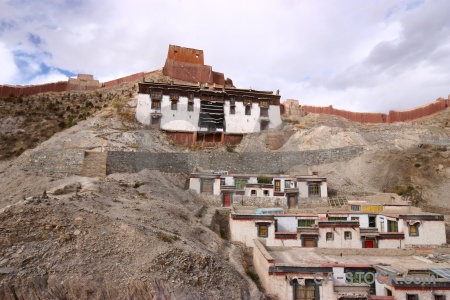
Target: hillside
(127,235)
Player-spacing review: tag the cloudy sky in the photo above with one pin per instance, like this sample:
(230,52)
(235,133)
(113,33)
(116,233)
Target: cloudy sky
(371,55)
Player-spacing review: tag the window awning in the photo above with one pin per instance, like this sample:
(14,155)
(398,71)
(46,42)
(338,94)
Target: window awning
(412,222)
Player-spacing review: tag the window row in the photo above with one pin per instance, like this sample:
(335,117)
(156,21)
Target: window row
(330,235)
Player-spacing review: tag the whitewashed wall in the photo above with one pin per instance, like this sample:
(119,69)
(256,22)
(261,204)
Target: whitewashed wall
(338,238)
(180,119)
(430,233)
(246,231)
(143,109)
(287,224)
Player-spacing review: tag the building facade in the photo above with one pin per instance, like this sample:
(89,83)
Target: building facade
(350,230)
(209,114)
(263,190)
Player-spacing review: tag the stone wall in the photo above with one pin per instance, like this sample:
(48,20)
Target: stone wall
(57,161)
(238,163)
(71,161)
(436,141)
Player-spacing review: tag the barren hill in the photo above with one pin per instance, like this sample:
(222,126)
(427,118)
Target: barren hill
(128,235)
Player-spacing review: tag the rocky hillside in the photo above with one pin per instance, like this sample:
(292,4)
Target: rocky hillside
(145,235)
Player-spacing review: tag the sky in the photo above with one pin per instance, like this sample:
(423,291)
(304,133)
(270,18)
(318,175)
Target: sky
(359,55)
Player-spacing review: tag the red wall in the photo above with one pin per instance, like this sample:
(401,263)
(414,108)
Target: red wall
(128,78)
(185,55)
(394,116)
(426,110)
(354,116)
(188,72)
(17,90)
(181,138)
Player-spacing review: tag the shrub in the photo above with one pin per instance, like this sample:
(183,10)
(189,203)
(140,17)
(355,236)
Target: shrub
(417,165)
(264,179)
(118,103)
(231,148)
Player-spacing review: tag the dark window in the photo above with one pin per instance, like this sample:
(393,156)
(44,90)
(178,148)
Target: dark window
(287,184)
(329,236)
(248,110)
(347,235)
(154,121)
(392,226)
(232,101)
(264,126)
(414,230)
(232,110)
(222,181)
(306,222)
(174,96)
(253,193)
(412,297)
(264,112)
(264,103)
(266,193)
(309,291)
(439,297)
(372,222)
(263,230)
(174,105)
(156,95)
(314,189)
(190,106)
(191,96)
(156,104)
(356,207)
(207,186)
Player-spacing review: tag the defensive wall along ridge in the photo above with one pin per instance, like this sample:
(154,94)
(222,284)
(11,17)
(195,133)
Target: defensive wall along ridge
(83,82)
(72,161)
(292,107)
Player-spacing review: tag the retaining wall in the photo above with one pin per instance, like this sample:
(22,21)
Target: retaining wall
(57,161)
(239,163)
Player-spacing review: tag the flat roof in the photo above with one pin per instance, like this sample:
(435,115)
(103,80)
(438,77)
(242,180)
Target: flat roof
(313,257)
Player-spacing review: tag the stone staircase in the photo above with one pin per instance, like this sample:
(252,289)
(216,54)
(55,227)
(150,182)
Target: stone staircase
(94,164)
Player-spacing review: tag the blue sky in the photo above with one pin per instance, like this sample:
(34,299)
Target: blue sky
(372,55)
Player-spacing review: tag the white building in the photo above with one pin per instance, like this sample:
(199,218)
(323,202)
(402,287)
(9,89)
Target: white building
(211,114)
(287,191)
(350,230)
(293,273)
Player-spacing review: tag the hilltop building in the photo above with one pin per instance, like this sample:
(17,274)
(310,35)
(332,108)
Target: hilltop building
(210,111)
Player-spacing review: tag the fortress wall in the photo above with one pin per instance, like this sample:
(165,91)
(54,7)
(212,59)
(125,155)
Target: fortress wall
(26,90)
(188,72)
(353,116)
(291,107)
(125,79)
(419,112)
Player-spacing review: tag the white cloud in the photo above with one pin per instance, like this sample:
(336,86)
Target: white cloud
(361,55)
(9,69)
(52,76)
